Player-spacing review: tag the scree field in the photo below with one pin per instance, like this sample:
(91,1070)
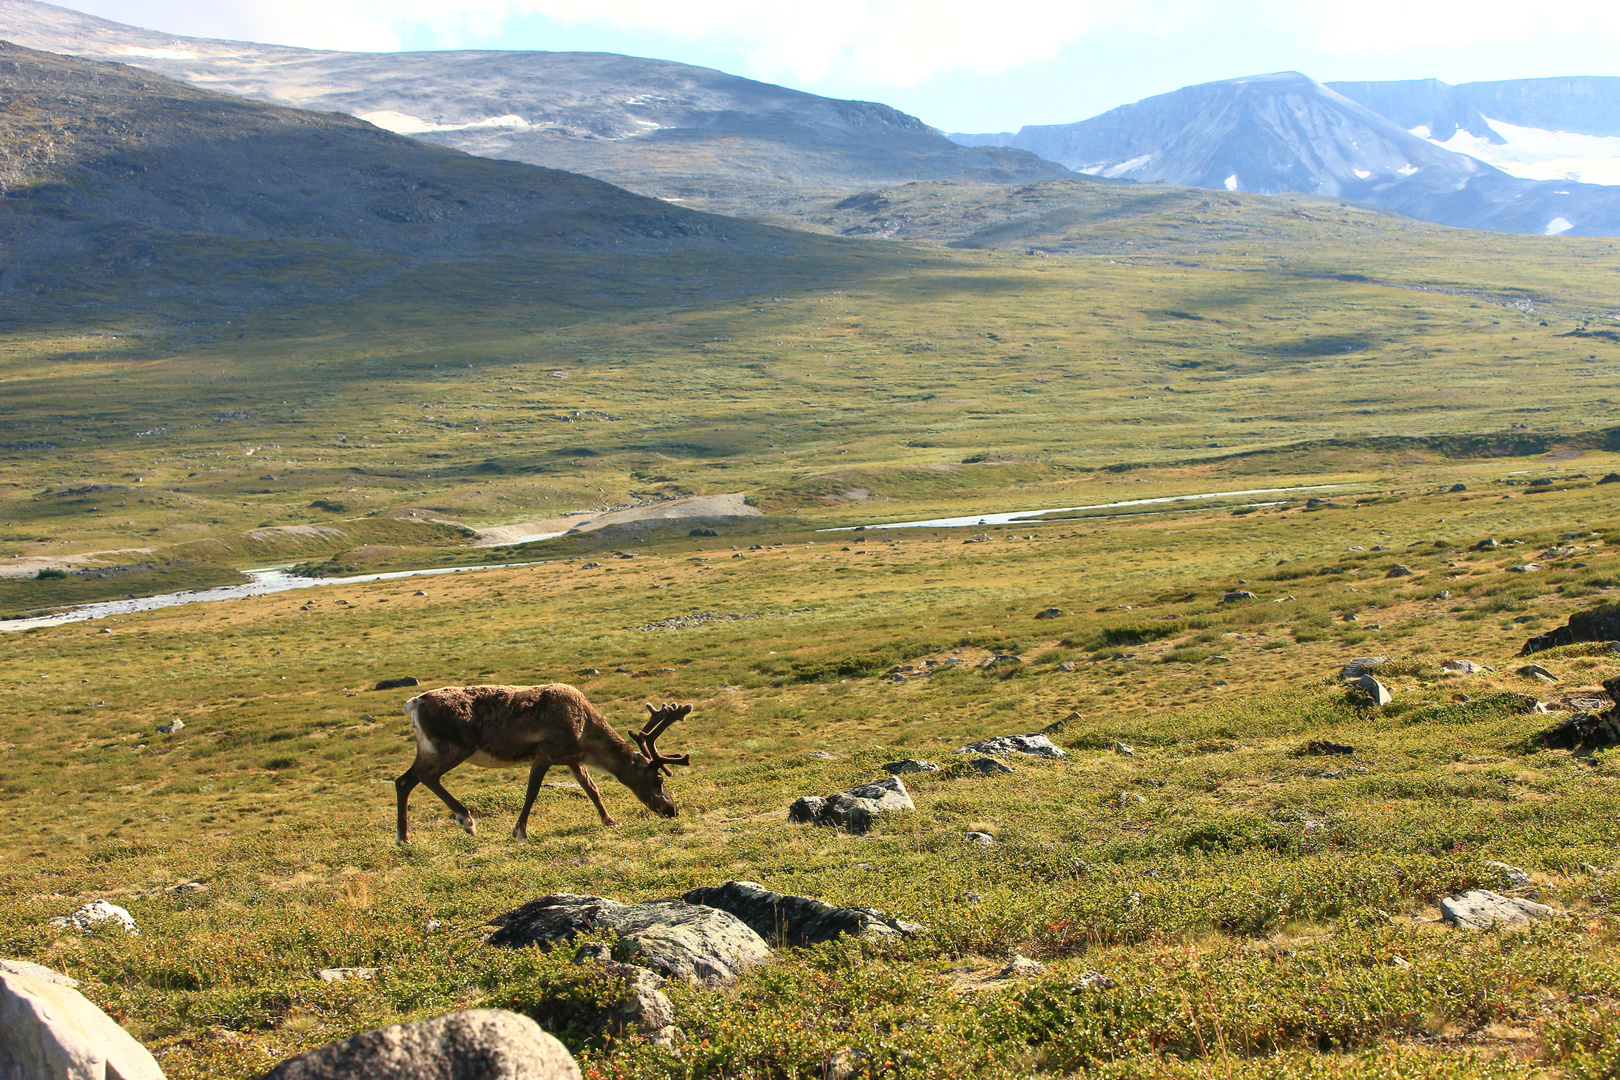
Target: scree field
(1220,901)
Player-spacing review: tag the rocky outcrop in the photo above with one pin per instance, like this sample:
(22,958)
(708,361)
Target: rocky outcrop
(1593,624)
(1028,745)
(672,937)
(49,1031)
(855,809)
(480,1044)
(1482,909)
(798,920)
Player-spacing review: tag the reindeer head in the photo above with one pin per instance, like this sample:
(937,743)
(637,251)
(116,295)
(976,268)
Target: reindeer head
(649,786)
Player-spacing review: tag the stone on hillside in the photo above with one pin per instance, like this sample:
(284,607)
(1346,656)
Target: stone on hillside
(1443,594)
(351,974)
(846,1063)
(172,726)
(1610,478)
(399,683)
(1362,665)
(1320,747)
(1583,731)
(1094,980)
(1375,690)
(1535,671)
(1124,748)
(1030,745)
(1454,488)
(822,755)
(479,1044)
(590,671)
(1049,613)
(1021,967)
(983,839)
(50,1031)
(1481,910)
(854,809)
(38,972)
(989,766)
(642,1007)
(1066,665)
(94,914)
(1399,571)
(1594,624)
(1463,667)
(909,765)
(1524,568)
(1512,876)
(1236,595)
(799,920)
(1488,544)
(671,937)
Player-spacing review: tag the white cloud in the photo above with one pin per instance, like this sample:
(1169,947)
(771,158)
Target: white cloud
(1371,27)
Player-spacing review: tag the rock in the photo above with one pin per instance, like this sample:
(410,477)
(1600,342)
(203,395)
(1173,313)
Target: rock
(989,766)
(984,839)
(1594,624)
(1049,613)
(798,921)
(94,914)
(1610,478)
(1535,671)
(480,1044)
(1512,876)
(1443,594)
(590,671)
(856,808)
(172,726)
(1524,568)
(1454,488)
(1362,665)
(1583,732)
(642,1008)
(395,684)
(1541,481)
(50,1031)
(418,592)
(1399,571)
(821,755)
(1093,980)
(674,938)
(1481,910)
(846,1063)
(1030,745)
(1350,617)
(1124,748)
(1463,667)
(1021,967)
(338,975)
(185,887)
(1375,690)
(1066,665)
(1240,594)
(703,532)
(1317,504)
(909,765)
(1321,747)
(37,972)
(1487,544)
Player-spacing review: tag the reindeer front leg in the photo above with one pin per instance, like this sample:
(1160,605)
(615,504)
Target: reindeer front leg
(589,785)
(537,773)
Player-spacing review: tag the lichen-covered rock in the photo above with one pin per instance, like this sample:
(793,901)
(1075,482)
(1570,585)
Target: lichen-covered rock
(1375,691)
(672,937)
(1594,624)
(1030,745)
(1482,909)
(856,808)
(1583,731)
(798,920)
(1362,665)
(479,1044)
(50,1031)
(906,766)
(94,914)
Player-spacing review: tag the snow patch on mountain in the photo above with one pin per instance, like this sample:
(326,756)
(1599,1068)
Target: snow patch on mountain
(1539,154)
(406,124)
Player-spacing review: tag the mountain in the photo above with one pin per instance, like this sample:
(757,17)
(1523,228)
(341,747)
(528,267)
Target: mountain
(120,186)
(1536,129)
(1286,132)
(651,126)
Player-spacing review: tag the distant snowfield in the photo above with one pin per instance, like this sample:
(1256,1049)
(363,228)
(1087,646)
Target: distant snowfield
(1538,154)
(406,124)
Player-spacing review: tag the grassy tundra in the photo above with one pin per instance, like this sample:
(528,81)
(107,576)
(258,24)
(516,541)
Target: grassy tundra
(1260,911)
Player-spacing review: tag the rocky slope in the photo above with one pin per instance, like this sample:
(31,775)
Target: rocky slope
(659,128)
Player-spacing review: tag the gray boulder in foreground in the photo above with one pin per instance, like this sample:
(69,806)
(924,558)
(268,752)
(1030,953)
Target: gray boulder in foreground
(1031,745)
(1376,691)
(50,1031)
(798,920)
(854,809)
(1481,910)
(479,1044)
(672,937)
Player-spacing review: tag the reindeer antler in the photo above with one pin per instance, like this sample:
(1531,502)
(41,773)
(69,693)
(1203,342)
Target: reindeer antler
(657,723)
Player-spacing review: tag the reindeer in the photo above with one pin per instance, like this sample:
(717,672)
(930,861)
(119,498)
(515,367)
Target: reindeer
(502,727)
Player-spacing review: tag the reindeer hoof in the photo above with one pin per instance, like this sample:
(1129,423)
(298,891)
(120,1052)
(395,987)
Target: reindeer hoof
(610,823)
(520,833)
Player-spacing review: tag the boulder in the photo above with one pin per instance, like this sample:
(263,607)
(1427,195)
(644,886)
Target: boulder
(50,1031)
(1488,544)
(798,920)
(1320,747)
(1124,748)
(1512,876)
(337,975)
(1049,613)
(672,937)
(1481,910)
(1594,624)
(479,1044)
(1610,478)
(1535,671)
(399,683)
(1399,571)
(1021,967)
(1362,665)
(642,1008)
(1583,731)
(1463,667)
(1029,745)
(855,809)
(909,765)
(1454,488)
(38,972)
(1066,665)
(989,766)
(1375,690)
(983,839)
(94,914)
(1524,568)
(173,726)
(821,755)
(1236,595)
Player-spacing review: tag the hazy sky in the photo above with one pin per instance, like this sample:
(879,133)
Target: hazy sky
(961,65)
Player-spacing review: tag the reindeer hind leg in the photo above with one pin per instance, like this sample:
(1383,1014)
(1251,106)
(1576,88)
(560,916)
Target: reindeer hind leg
(537,773)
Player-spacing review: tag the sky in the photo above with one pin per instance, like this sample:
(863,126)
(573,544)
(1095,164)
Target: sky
(960,65)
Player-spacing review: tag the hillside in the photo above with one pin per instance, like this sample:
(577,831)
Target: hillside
(659,128)
(125,187)
(1285,132)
